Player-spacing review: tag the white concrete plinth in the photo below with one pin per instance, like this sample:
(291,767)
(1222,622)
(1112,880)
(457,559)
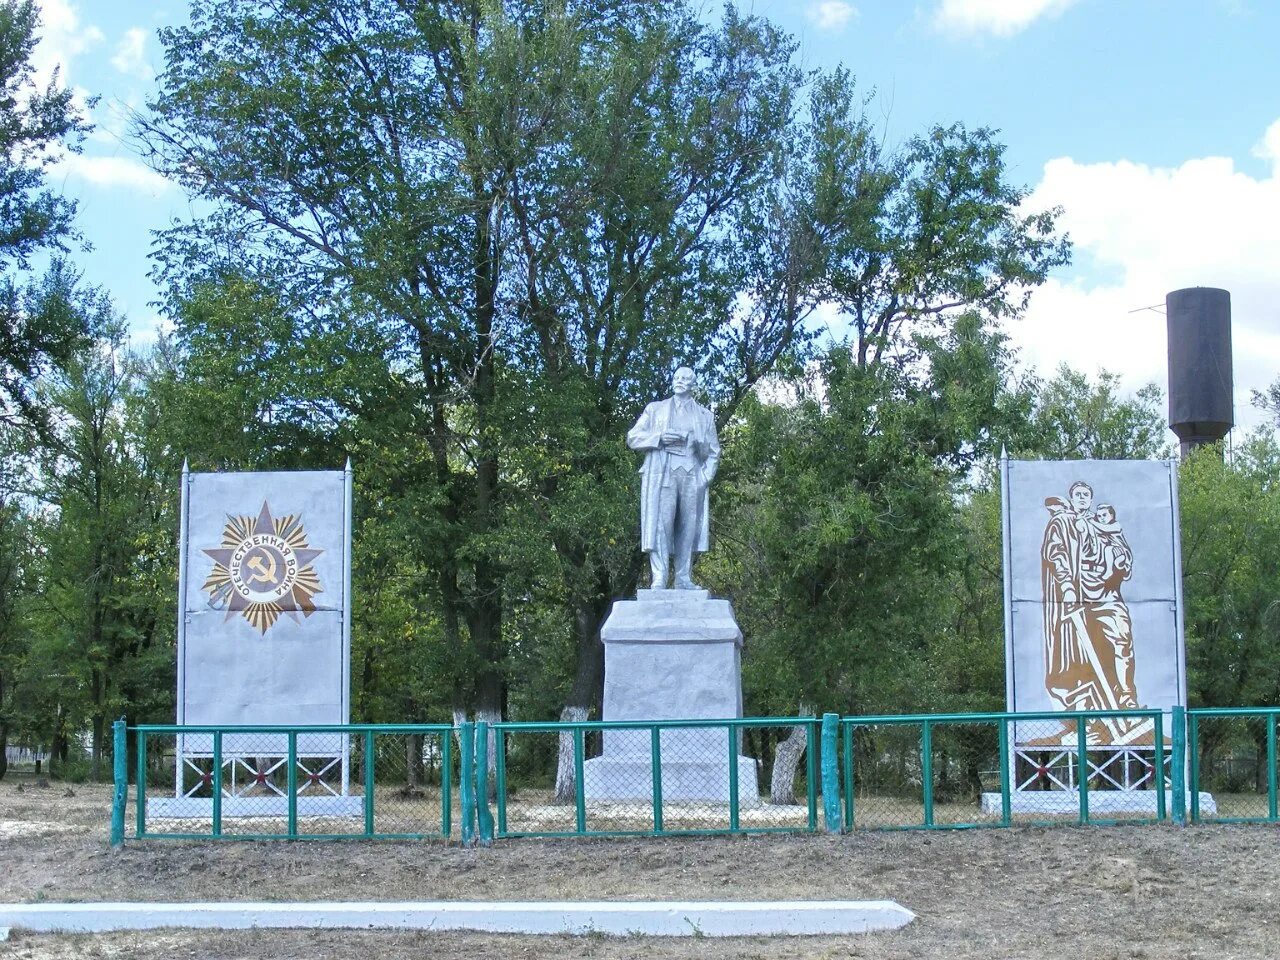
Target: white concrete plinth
(1101,802)
(671,655)
(201,808)
(631,778)
(659,919)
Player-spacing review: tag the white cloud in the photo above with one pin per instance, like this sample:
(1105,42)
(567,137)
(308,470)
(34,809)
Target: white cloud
(118,172)
(1268,148)
(1150,230)
(1001,17)
(831,14)
(62,38)
(130,56)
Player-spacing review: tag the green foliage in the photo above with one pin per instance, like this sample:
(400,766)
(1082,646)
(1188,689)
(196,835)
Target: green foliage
(102,623)
(463,244)
(1076,419)
(1230,554)
(40,323)
(843,540)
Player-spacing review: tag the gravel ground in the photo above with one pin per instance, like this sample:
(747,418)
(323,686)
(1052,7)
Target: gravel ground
(1098,892)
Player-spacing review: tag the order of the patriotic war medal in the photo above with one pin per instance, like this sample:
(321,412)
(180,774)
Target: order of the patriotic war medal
(263,569)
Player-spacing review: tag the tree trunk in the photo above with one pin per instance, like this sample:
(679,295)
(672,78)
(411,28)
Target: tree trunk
(786,759)
(566,789)
(587,690)
(491,754)
(412,761)
(99,735)
(4,737)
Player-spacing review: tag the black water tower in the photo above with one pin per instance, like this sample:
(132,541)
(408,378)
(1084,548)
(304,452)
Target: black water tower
(1200,383)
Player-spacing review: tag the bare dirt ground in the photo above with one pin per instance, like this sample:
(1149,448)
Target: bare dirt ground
(1105,893)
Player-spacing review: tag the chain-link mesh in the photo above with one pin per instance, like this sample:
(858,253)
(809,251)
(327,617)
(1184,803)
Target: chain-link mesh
(415,777)
(602,778)
(996,769)
(887,784)
(241,784)
(1235,762)
(673,777)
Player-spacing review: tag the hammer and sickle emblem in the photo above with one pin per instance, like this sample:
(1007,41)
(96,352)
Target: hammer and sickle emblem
(266,569)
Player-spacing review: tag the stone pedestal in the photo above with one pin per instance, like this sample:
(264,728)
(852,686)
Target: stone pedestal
(672,655)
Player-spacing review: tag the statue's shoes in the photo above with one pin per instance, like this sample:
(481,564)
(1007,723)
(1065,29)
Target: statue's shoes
(686,585)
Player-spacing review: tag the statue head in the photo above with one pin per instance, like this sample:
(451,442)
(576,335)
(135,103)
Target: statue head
(683,382)
(1081,496)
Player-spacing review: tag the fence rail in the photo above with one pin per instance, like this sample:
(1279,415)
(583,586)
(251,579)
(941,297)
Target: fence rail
(296,783)
(649,778)
(949,771)
(480,781)
(1233,760)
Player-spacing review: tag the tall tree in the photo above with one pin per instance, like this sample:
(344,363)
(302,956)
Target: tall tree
(492,225)
(104,617)
(1073,417)
(1230,552)
(37,324)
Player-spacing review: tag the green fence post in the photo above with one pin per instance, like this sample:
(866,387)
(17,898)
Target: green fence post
(1161,806)
(1193,754)
(1271,767)
(141,781)
(1178,764)
(830,772)
(733,778)
(926,769)
(1006,773)
(1082,767)
(370,783)
(291,783)
(848,777)
(500,773)
(216,780)
(655,773)
(484,817)
(467,782)
(120,775)
(579,789)
(446,783)
(811,772)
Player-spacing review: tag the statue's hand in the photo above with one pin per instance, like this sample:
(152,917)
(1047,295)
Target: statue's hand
(670,439)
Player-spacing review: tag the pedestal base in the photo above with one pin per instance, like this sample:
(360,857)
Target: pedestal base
(1101,802)
(631,778)
(671,655)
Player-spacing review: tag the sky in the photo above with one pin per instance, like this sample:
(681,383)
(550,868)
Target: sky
(1154,124)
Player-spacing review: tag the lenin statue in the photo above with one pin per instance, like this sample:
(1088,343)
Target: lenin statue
(678,437)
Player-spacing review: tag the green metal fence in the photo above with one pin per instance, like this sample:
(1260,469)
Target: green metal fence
(479,781)
(1233,764)
(650,778)
(296,783)
(970,770)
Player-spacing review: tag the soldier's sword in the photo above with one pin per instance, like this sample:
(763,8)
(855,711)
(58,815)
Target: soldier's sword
(1076,617)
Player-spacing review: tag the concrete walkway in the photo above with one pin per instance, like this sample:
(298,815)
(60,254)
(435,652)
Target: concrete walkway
(665,918)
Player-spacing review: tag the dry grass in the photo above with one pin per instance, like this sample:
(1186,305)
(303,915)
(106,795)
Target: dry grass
(1101,892)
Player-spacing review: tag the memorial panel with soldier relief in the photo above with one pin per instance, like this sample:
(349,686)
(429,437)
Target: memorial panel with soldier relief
(1093,617)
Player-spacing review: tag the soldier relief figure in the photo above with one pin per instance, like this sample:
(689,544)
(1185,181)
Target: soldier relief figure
(1088,631)
(678,439)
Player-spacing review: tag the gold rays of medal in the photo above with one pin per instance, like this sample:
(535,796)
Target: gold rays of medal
(296,587)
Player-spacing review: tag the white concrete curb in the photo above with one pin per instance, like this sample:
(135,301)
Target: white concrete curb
(663,918)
